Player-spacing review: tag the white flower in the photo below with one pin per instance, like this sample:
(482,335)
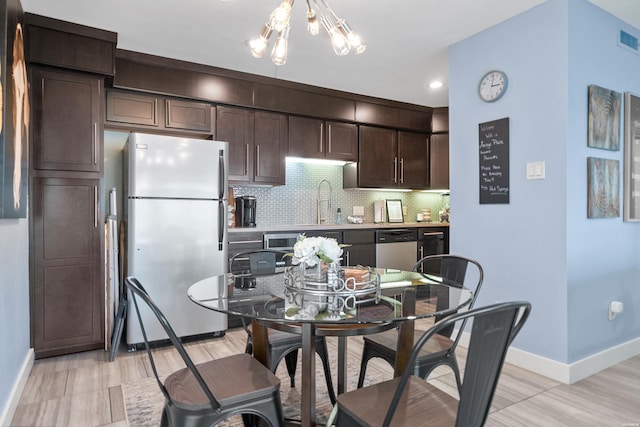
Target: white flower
(312,250)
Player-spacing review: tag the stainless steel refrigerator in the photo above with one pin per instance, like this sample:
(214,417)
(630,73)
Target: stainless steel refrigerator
(176,225)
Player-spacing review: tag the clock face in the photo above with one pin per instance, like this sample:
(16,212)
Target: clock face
(493,86)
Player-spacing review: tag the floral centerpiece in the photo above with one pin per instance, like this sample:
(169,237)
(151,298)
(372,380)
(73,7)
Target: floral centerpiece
(312,251)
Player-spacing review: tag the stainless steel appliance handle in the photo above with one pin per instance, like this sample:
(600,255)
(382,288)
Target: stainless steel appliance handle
(222,173)
(222,217)
(245,242)
(437,233)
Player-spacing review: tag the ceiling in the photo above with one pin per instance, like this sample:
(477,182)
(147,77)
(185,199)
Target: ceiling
(407,45)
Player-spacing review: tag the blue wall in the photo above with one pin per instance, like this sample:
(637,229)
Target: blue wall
(14,303)
(541,246)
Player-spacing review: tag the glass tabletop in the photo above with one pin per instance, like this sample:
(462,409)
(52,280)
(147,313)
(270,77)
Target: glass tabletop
(402,295)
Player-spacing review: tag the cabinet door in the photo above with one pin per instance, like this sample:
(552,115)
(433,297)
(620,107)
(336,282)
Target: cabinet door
(439,162)
(341,141)
(133,108)
(364,255)
(270,139)
(235,125)
(377,161)
(67,124)
(188,115)
(306,137)
(362,250)
(68,310)
(413,163)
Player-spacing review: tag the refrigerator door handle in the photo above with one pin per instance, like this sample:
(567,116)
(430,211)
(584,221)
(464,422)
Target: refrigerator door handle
(222,174)
(222,217)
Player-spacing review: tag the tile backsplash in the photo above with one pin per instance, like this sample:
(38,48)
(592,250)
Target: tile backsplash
(296,202)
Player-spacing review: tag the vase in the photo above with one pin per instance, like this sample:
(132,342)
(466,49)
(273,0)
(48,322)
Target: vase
(315,273)
(315,280)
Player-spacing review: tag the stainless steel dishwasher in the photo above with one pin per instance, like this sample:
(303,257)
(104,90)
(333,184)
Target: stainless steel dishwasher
(396,248)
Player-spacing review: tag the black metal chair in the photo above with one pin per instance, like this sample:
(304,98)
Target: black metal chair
(411,401)
(453,270)
(207,393)
(281,344)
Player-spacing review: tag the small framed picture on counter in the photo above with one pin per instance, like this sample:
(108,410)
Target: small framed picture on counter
(394,210)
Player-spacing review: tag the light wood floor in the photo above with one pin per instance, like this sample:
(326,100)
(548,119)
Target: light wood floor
(85,390)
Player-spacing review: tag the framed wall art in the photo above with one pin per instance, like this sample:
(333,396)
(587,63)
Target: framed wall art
(631,157)
(14,113)
(603,188)
(604,118)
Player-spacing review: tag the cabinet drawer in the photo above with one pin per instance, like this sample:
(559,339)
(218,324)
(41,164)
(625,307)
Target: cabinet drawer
(358,236)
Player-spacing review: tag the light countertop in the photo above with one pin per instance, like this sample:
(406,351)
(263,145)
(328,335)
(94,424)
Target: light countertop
(336,227)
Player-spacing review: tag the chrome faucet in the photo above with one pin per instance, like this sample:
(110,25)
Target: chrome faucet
(319,201)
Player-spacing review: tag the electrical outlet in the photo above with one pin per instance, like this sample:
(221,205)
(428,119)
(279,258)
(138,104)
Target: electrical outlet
(535,170)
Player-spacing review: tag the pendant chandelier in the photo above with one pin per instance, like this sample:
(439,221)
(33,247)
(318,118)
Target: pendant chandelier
(343,39)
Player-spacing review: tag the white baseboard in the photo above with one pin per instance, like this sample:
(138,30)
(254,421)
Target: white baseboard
(568,373)
(14,397)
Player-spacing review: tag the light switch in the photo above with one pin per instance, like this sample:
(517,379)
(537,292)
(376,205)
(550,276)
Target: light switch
(535,170)
(358,210)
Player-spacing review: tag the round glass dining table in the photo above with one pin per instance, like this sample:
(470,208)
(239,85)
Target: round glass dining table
(403,297)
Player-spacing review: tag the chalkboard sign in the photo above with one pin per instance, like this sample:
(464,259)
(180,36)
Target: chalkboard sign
(494,161)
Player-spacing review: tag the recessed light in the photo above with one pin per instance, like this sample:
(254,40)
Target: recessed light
(436,84)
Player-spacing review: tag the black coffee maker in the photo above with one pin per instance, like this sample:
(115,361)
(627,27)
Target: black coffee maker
(245,211)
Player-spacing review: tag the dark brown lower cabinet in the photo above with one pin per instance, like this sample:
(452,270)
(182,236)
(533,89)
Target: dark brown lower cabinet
(67,301)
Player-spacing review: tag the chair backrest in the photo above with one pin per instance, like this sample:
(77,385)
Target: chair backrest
(138,291)
(453,269)
(256,262)
(493,331)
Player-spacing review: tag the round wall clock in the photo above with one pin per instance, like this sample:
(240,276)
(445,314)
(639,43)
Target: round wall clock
(493,86)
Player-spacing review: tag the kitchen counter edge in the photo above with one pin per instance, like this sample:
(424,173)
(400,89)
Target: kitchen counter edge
(335,227)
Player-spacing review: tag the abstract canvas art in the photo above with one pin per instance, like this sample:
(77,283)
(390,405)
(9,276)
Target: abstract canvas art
(604,188)
(14,116)
(604,118)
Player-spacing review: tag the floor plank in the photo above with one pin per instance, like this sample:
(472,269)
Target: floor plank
(84,389)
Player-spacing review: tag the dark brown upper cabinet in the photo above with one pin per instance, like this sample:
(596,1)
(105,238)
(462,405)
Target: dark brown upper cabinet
(257,142)
(68,45)
(270,141)
(439,149)
(132,108)
(188,115)
(67,124)
(390,159)
(322,139)
(439,161)
(132,111)
(413,160)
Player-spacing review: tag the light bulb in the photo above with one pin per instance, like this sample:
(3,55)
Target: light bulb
(356,42)
(280,16)
(339,42)
(313,25)
(259,44)
(279,52)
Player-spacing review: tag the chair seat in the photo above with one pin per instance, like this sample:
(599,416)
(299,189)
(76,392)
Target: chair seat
(386,342)
(278,338)
(427,406)
(231,379)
